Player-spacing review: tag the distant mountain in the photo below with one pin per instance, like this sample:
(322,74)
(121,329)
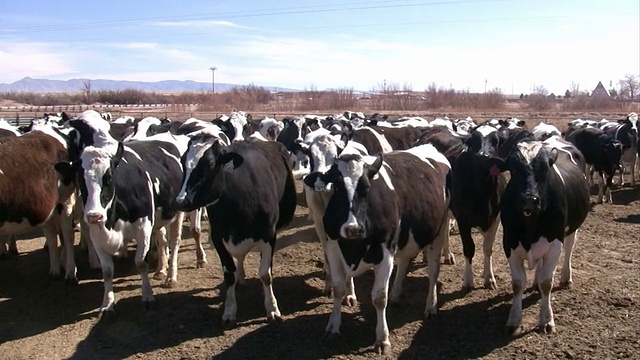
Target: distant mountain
(77,85)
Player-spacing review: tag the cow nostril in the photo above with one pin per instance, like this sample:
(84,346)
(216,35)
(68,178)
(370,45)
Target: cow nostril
(298,141)
(94,218)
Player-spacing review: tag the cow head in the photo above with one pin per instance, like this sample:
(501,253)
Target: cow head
(347,214)
(206,160)
(234,126)
(270,128)
(530,163)
(485,140)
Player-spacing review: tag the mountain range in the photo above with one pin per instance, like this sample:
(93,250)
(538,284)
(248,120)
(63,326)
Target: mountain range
(28,84)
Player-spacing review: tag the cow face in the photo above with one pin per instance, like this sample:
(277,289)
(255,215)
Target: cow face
(205,160)
(529,164)
(485,141)
(294,130)
(96,180)
(347,212)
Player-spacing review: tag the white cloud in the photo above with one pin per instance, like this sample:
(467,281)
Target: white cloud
(37,60)
(198,24)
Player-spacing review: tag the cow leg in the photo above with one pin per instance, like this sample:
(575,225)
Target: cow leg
(159,238)
(566,278)
(175,237)
(13,244)
(518,284)
(600,180)
(195,219)
(545,283)
(607,194)
(229,271)
(449,258)
(94,261)
(339,279)
(401,272)
(469,249)
(68,240)
(489,238)
(379,299)
(143,243)
(108,299)
(50,231)
(270,302)
(240,274)
(433,252)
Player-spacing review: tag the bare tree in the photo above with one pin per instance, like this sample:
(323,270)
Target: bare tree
(629,86)
(86,90)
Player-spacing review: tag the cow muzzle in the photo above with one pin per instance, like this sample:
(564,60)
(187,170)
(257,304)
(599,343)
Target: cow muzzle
(352,231)
(530,205)
(94,218)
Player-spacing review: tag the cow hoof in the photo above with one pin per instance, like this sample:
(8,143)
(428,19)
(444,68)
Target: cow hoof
(449,260)
(547,329)
(229,324)
(490,285)
(201,264)
(566,285)
(170,283)
(332,336)
(430,314)
(159,276)
(13,251)
(510,330)
(350,301)
(107,315)
(274,319)
(150,305)
(382,349)
(467,289)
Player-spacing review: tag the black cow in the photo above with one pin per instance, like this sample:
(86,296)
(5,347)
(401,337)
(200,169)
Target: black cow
(129,192)
(477,190)
(378,209)
(400,138)
(600,150)
(249,193)
(626,132)
(372,140)
(544,204)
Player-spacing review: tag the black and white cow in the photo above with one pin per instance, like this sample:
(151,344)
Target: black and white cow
(249,193)
(378,210)
(626,132)
(476,193)
(34,195)
(545,202)
(129,192)
(372,140)
(601,151)
(235,126)
(543,131)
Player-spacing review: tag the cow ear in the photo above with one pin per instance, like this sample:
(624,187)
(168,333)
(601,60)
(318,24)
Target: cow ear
(373,169)
(300,147)
(553,156)
(230,161)
(118,156)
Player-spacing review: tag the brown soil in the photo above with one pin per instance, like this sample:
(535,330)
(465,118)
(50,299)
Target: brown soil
(598,319)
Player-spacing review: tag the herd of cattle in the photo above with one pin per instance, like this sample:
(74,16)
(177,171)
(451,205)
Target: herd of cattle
(378,191)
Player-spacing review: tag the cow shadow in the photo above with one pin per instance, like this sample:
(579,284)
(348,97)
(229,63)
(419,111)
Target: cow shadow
(625,196)
(182,316)
(630,219)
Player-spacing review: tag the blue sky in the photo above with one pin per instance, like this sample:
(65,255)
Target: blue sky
(512,44)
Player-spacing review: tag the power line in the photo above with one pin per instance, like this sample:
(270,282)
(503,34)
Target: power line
(309,9)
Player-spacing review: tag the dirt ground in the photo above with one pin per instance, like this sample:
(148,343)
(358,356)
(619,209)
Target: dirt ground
(598,319)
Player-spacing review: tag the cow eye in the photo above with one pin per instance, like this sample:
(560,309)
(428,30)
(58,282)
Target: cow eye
(107,180)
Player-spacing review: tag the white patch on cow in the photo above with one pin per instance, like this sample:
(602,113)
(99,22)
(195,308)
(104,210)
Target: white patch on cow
(142,128)
(257,135)
(323,148)
(485,130)
(543,130)
(132,152)
(555,142)
(428,152)
(555,168)
(48,129)
(95,162)
(535,254)
(6,126)
(156,185)
(529,150)
(192,158)
(386,147)
(100,127)
(171,156)
(268,123)
(1,172)
(351,171)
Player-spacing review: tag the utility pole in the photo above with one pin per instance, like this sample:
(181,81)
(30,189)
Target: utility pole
(213,79)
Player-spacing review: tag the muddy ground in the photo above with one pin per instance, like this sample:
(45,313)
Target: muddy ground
(598,319)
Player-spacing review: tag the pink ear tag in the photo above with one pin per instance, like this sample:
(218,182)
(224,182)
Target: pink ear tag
(494,171)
